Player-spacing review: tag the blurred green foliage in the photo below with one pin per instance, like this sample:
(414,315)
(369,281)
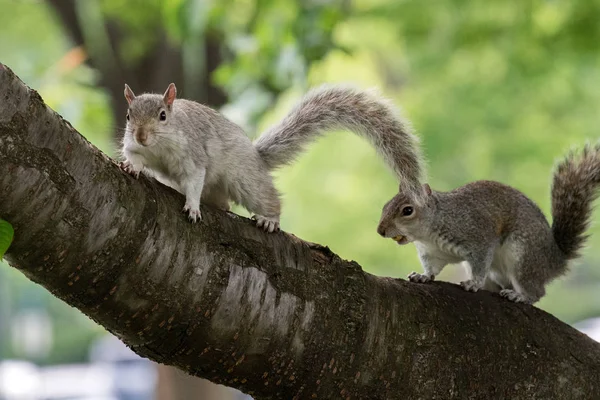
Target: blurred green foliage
(497,90)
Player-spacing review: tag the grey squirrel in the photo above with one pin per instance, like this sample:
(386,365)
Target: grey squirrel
(501,234)
(198,152)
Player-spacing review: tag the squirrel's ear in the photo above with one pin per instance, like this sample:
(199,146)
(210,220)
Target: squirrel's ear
(129,95)
(170,95)
(427,189)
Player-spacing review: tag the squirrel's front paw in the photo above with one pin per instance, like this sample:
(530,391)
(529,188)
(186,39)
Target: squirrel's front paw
(471,285)
(193,213)
(128,167)
(421,278)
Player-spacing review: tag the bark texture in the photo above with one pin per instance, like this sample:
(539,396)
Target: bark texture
(269,314)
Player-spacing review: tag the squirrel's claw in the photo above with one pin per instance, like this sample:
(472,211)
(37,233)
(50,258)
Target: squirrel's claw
(268,224)
(515,296)
(420,278)
(194,214)
(128,167)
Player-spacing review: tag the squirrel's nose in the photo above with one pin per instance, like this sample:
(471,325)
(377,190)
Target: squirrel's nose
(141,136)
(381,230)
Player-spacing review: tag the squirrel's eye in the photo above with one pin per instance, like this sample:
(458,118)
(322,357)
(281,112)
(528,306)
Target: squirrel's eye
(406,211)
(163,115)
(127,117)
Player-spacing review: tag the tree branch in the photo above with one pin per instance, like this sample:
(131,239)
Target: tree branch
(271,315)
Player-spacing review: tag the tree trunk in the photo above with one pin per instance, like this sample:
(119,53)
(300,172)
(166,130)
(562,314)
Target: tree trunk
(269,314)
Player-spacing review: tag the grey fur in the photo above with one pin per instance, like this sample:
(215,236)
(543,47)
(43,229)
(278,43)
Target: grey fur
(498,232)
(203,155)
(366,113)
(573,193)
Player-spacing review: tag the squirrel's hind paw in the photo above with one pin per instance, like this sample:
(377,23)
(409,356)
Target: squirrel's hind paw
(421,278)
(268,224)
(515,296)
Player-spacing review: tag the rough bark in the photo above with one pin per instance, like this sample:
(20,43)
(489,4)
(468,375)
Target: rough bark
(272,315)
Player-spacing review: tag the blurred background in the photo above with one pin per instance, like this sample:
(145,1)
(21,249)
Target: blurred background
(497,90)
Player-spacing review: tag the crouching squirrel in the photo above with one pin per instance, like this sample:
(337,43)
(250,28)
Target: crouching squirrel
(206,157)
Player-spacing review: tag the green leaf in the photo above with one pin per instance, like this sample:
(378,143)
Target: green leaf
(6,236)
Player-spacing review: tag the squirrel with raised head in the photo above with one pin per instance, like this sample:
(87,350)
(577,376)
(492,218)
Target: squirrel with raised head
(198,152)
(497,231)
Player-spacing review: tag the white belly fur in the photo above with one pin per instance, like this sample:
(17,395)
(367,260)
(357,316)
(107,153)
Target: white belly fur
(505,260)
(502,270)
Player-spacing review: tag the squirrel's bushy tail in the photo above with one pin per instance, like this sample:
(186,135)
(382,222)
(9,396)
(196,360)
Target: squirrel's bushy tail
(574,190)
(363,112)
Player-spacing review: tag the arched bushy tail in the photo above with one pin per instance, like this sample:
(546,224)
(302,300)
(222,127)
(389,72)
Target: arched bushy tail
(574,190)
(365,113)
